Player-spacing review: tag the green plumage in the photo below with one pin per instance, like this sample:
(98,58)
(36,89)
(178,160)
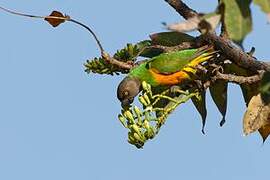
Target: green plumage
(166,63)
(142,72)
(169,63)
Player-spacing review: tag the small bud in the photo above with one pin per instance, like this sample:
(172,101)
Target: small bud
(145,86)
(146,124)
(104,70)
(138,137)
(151,133)
(135,128)
(129,116)
(147,99)
(122,120)
(137,111)
(142,100)
(131,138)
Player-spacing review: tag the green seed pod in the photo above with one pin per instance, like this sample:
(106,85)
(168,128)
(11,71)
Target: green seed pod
(139,115)
(135,128)
(137,111)
(122,119)
(145,86)
(147,99)
(131,138)
(129,116)
(104,70)
(149,87)
(138,137)
(142,101)
(151,133)
(146,125)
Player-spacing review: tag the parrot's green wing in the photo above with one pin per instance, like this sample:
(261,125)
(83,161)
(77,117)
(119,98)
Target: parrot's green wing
(169,63)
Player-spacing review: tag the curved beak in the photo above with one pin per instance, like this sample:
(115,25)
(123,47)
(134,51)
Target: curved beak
(126,103)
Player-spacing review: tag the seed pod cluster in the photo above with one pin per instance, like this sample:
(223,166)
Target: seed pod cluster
(144,124)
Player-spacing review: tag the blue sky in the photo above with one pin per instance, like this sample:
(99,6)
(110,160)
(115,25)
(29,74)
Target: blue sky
(57,122)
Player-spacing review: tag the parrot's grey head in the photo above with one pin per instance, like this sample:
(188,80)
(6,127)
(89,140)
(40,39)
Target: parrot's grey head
(127,90)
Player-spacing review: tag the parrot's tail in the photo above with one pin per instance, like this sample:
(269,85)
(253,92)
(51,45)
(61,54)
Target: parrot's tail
(203,54)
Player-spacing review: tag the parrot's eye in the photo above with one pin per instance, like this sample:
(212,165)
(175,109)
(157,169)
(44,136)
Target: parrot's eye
(126,93)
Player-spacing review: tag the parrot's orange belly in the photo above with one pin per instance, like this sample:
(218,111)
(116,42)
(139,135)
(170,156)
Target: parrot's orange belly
(170,79)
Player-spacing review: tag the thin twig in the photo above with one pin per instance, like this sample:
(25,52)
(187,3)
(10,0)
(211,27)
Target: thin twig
(106,56)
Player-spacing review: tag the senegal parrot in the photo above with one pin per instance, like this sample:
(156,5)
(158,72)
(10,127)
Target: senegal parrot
(167,69)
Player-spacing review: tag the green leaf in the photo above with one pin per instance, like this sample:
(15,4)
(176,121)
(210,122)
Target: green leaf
(132,51)
(200,104)
(100,66)
(218,92)
(264,4)
(148,51)
(170,38)
(128,53)
(237,19)
(265,88)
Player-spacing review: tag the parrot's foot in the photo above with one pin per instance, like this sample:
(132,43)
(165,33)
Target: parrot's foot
(217,69)
(201,69)
(175,90)
(199,84)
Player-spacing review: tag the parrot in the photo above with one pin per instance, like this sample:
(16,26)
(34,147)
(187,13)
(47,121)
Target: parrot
(165,70)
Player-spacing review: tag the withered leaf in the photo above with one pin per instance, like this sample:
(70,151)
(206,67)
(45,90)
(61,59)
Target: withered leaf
(208,22)
(190,25)
(257,117)
(200,104)
(55,21)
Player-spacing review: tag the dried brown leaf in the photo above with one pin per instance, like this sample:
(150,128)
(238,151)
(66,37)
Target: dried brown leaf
(208,22)
(257,117)
(190,25)
(56,18)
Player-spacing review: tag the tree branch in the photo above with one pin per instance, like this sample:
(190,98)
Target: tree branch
(237,79)
(115,62)
(226,46)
